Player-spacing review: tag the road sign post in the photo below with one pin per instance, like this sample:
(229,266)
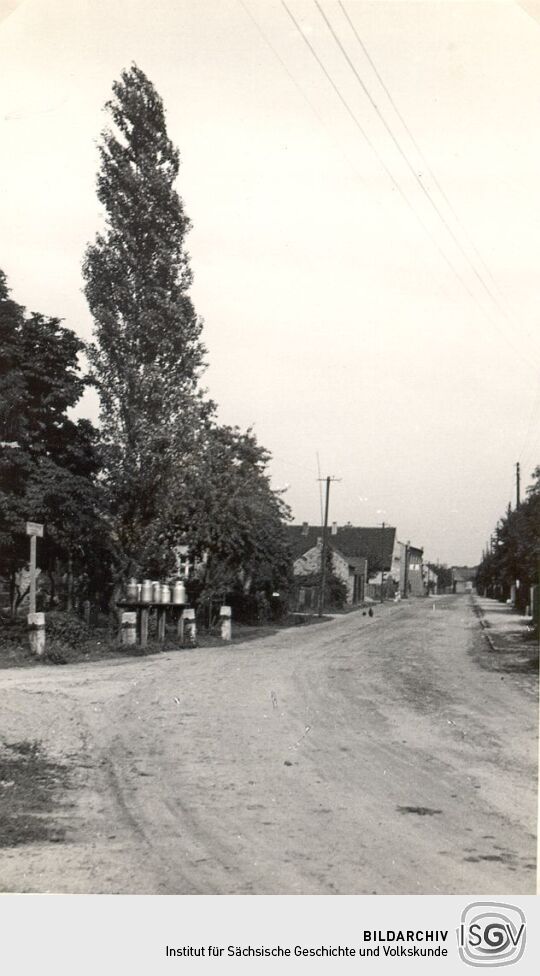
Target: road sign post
(36,621)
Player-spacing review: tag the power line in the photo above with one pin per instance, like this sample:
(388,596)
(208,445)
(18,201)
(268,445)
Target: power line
(406,159)
(363,132)
(414,142)
(394,182)
(296,84)
(278,57)
(302,91)
(509,315)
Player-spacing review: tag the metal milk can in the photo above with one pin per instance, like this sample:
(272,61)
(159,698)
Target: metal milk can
(131,591)
(179,593)
(165,593)
(146,591)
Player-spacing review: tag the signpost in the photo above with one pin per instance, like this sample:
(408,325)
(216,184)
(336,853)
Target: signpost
(36,621)
(35,531)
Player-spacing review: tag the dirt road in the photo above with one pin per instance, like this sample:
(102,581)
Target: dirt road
(357,756)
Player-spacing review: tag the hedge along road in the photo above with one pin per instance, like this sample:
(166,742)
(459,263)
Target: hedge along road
(358,756)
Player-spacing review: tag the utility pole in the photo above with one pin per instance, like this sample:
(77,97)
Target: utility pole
(518,479)
(406,573)
(36,621)
(382,562)
(328,479)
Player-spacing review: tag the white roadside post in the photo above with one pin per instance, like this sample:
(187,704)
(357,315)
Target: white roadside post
(190,626)
(225,616)
(129,627)
(36,621)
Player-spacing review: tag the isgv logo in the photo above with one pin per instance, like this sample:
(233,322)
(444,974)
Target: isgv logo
(491,934)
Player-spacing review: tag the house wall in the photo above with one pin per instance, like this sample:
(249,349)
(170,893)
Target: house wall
(463,586)
(310,562)
(416,581)
(340,568)
(415,572)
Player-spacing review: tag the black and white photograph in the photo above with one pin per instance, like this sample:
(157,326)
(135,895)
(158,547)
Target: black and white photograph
(269,448)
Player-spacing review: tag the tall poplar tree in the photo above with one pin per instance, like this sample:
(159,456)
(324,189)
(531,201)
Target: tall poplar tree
(148,356)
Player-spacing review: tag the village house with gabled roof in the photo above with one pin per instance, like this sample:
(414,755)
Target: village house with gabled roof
(408,569)
(359,553)
(356,552)
(463,578)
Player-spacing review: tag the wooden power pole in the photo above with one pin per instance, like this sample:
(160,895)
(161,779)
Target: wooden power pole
(382,561)
(518,486)
(406,572)
(324,546)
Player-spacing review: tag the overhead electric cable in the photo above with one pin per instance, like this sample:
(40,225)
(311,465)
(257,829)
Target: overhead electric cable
(388,172)
(296,84)
(281,61)
(508,314)
(414,142)
(406,159)
(373,148)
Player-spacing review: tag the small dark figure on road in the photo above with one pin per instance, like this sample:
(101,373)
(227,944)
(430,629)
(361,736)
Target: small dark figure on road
(370,611)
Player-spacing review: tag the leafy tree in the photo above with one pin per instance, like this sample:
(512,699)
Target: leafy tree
(48,462)
(444,575)
(148,356)
(232,518)
(172,474)
(515,554)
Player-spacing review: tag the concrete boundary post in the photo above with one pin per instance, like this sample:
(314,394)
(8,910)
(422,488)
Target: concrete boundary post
(129,627)
(36,633)
(189,635)
(225,616)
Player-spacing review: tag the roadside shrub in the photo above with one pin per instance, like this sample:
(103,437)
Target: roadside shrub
(249,608)
(65,628)
(336,593)
(13,629)
(279,608)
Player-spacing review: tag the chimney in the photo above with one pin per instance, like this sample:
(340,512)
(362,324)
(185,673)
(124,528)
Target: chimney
(305,528)
(334,528)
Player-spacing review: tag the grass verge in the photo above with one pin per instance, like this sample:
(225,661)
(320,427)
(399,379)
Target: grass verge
(31,787)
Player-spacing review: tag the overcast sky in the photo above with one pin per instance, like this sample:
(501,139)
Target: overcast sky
(351,309)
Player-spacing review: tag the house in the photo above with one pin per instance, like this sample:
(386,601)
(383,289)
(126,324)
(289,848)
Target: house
(355,550)
(463,578)
(407,569)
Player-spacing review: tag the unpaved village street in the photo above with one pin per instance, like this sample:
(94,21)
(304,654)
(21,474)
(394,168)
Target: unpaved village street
(389,755)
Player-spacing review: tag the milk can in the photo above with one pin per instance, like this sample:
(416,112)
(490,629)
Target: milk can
(179,593)
(146,591)
(131,591)
(156,592)
(165,593)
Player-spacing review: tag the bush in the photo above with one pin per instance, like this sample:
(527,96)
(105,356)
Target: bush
(13,629)
(65,628)
(256,608)
(336,593)
(279,608)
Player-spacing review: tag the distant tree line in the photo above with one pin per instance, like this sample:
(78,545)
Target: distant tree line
(160,470)
(514,554)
